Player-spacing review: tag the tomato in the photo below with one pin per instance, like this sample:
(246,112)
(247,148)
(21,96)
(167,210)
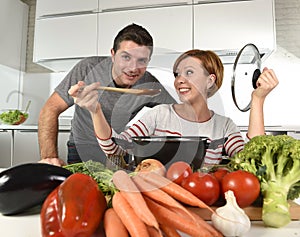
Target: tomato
(220,173)
(203,185)
(178,171)
(245,185)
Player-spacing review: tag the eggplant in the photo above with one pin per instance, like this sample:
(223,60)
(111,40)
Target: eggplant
(26,186)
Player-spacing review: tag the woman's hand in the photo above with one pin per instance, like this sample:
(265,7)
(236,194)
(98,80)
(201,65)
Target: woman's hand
(85,96)
(266,82)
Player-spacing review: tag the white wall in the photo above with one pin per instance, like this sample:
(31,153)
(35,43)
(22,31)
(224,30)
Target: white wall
(9,80)
(37,87)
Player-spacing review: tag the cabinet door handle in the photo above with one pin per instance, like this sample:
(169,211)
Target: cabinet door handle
(218,1)
(145,6)
(47,16)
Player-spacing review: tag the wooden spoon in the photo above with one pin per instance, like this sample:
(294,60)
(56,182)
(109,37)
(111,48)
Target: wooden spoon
(149,92)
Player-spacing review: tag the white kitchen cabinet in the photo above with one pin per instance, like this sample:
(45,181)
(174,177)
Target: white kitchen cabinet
(231,25)
(5,150)
(176,26)
(68,37)
(109,5)
(13,28)
(26,148)
(170,27)
(19,146)
(63,138)
(47,8)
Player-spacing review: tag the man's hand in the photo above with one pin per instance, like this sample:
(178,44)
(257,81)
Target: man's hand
(52,161)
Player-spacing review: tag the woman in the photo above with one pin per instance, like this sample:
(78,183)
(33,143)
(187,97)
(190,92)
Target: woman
(198,75)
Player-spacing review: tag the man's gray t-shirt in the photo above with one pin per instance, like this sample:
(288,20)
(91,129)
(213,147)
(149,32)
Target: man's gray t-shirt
(117,107)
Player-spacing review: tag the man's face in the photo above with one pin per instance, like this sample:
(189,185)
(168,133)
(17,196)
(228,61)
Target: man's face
(129,63)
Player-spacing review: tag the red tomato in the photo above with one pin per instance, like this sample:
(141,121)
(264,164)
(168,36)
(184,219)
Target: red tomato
(178,171)
(220,173)
(203,185)
(245,185)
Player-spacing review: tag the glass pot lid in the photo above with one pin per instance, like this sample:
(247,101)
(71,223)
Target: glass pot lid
(246,70)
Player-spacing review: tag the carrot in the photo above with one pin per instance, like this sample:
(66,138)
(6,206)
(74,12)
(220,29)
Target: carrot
(174,190)
(170,218)
(154,232)
(132,194)
(135,226)
(209,227)
(169,231)
(159,195)
(198,221)
(113,226)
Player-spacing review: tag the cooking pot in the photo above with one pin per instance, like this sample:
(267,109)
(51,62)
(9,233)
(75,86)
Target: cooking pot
(169,149)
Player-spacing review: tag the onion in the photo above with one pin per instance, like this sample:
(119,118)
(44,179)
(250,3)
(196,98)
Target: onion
(151,165)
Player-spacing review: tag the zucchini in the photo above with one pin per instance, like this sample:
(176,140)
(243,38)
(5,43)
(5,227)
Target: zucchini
(25,186)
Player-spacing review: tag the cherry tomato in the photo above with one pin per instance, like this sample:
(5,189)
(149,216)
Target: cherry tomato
(178,171)
(245,185)
(203,185)
(220,173)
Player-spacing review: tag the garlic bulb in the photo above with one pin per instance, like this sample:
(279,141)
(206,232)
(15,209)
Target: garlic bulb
(230,219)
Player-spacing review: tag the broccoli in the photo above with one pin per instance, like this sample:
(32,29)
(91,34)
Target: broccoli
(275,160)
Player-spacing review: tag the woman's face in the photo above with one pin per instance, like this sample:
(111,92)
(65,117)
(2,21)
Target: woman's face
(191,80)
(129,63)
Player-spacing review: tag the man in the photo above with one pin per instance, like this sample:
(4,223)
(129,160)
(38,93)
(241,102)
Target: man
(126,68)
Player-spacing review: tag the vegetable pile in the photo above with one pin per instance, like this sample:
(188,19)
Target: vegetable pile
(13,117)
(145,204)
(275,160)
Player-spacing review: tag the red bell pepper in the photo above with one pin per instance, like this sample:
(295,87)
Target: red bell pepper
(75,208)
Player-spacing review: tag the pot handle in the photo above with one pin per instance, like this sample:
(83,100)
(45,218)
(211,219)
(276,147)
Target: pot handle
(255,77)
(123,143)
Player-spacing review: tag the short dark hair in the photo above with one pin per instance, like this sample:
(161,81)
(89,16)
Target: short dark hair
(135,33)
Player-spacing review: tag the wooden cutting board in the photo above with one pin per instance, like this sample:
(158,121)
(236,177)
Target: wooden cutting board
(254,213)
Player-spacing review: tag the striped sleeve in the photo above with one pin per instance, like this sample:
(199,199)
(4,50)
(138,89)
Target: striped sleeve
(234,144)
(111,148)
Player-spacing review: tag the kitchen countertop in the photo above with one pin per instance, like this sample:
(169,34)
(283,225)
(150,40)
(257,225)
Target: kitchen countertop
(29,226)
(5,127)
(278,128)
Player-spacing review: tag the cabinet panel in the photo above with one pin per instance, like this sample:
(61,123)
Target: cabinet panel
(5,138)
(170,27)
(245,22)
(65,37)
(109,5)
(63,138)
(54,7)
(26,147)
(13,28)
